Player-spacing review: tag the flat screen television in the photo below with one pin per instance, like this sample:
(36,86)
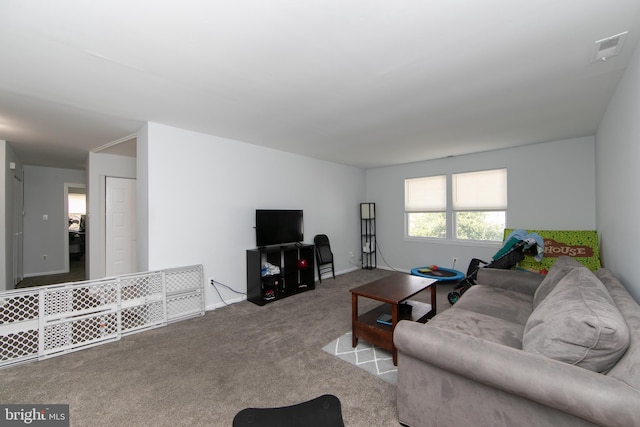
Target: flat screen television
(277,227)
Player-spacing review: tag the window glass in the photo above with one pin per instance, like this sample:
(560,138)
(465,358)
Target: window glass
(484,225)
(427,224)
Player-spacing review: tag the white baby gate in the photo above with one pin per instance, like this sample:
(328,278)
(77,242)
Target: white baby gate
(51,320)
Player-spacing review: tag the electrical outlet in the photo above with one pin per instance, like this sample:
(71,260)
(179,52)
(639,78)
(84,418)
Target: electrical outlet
(212,281)
(44,256)
(454,263)
(350,254)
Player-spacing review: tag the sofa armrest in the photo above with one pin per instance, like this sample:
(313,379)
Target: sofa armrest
(525,282)
(577,391)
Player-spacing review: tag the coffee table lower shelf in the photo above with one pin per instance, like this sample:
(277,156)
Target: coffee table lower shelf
(381,335)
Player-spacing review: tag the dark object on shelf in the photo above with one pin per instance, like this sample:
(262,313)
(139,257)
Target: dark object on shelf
(288,276)
(76,245)
(324,256)
(405,309)
(323,411)
(368,243)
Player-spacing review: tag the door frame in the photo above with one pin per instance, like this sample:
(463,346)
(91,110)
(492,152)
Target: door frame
(67,186)
(18,230)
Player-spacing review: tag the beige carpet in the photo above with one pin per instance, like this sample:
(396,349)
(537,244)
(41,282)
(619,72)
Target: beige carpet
(201,372)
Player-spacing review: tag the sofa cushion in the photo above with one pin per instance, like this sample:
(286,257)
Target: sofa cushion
(559,269)
(627,369)
(479,325)
(578,323)
(497,302)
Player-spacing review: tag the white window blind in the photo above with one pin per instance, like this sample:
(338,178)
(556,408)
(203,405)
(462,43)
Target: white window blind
(476,191)
(426,194)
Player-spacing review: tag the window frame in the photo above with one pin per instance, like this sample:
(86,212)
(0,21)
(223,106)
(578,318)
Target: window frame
(435,209)
(451,220)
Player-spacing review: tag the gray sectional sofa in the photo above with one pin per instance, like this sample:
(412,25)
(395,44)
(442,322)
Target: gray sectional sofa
(522,349)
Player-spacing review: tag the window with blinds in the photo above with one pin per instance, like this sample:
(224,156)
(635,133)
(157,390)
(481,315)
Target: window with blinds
(475,202)
(479,203)
(425,204)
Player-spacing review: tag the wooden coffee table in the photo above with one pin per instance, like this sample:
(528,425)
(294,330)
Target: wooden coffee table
(391,291)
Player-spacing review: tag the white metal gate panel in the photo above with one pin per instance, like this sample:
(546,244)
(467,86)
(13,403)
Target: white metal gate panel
(53,320)
(184,298)
(75,316)
(143,302)
(18,326)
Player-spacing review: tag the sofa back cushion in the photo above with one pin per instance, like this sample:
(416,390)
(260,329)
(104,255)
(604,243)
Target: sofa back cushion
(559,269)
(627,369)
(578,323)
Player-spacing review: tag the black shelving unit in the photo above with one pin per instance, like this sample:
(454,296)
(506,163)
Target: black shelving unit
(368,243)
(295,275)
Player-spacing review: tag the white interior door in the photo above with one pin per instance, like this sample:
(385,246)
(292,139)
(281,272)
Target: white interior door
(120,226)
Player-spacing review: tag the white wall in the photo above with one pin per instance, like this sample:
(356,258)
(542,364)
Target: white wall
(44,195)
(618,179)
(201,208)
(7,206)
(142,202)
(99,167)
(550,186)
(4,217)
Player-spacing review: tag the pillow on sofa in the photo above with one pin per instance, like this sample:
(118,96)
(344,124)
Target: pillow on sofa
(558,270)
(578,323)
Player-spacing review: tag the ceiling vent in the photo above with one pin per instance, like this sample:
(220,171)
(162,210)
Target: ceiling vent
(611,46)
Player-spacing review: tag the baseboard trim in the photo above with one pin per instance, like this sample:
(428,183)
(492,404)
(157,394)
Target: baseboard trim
(44,273)
(210,307)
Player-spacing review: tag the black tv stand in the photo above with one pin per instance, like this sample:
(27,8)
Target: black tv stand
(294,277)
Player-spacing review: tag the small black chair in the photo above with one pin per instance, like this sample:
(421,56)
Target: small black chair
(323,411)
(324,256)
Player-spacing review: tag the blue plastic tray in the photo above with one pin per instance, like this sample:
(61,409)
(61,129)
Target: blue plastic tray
(448,274)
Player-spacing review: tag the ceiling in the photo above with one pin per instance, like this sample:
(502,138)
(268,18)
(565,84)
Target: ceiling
(361,82)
